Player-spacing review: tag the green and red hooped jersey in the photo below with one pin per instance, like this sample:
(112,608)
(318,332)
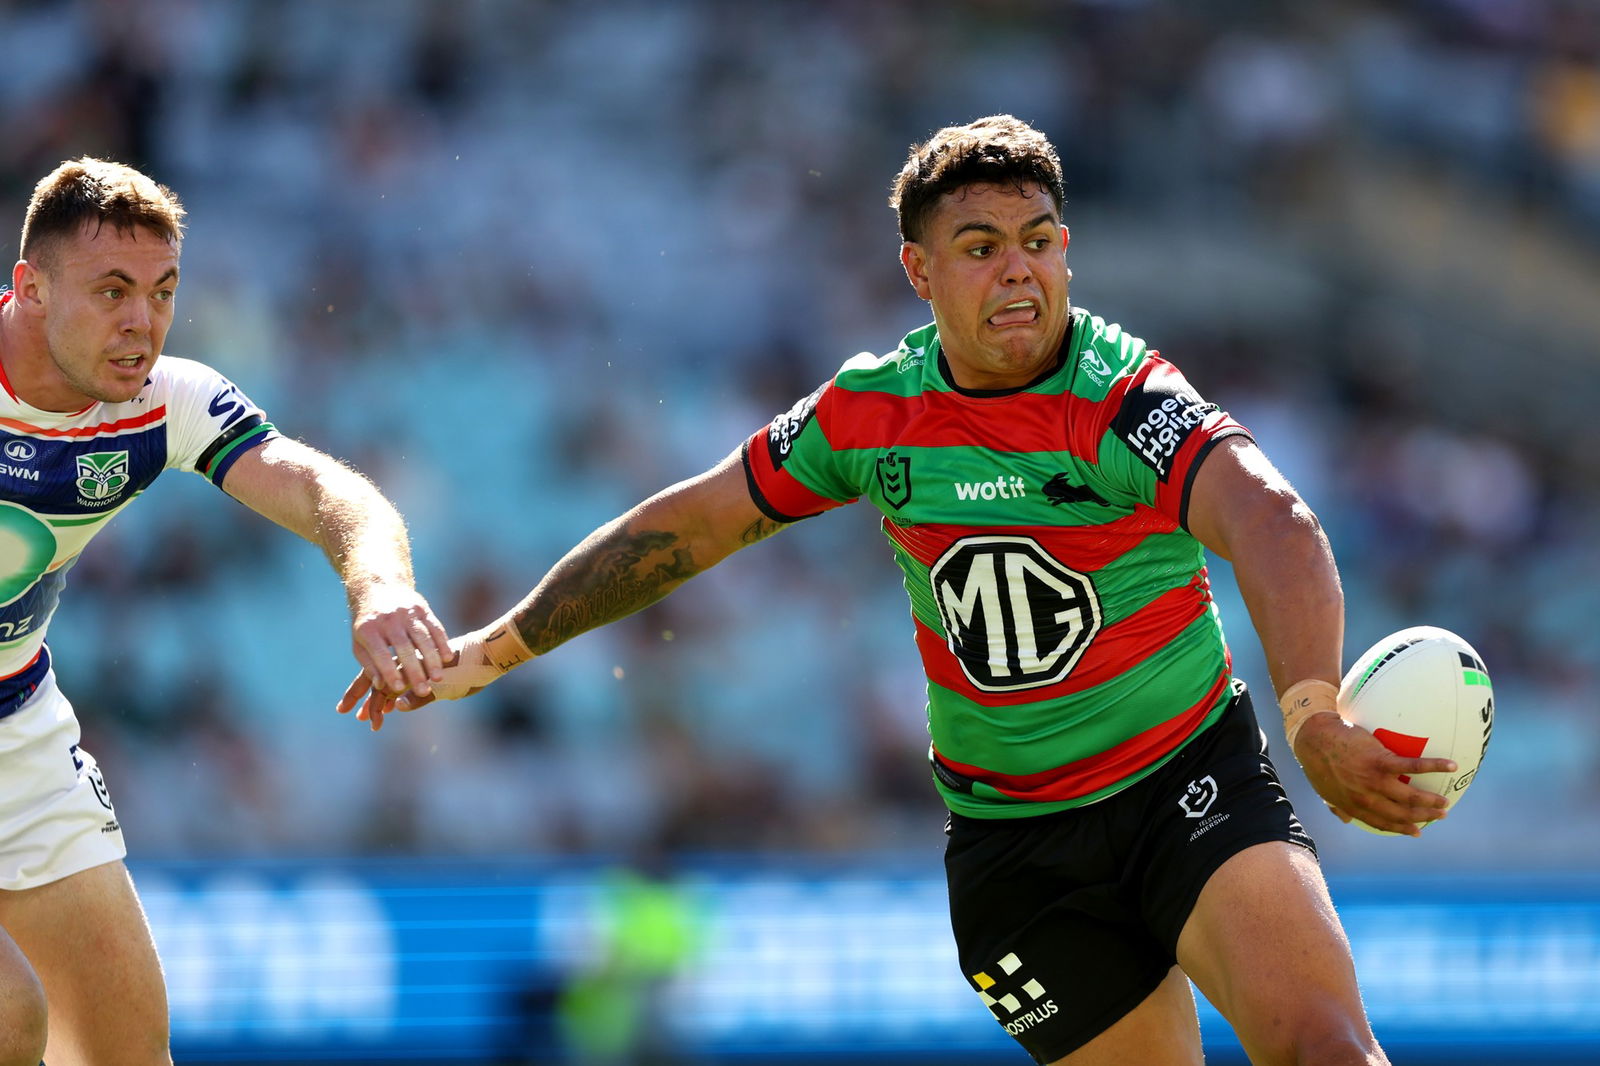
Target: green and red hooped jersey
(1061,607)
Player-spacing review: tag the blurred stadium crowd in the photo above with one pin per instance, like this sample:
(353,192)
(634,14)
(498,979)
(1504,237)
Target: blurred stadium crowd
(525,263)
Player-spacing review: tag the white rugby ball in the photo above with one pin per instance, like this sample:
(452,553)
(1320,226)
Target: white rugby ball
(1425,693)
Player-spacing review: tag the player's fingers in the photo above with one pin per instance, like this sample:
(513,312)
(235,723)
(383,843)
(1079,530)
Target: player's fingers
(378,705)
(437,647)
(411,644)
(413,674)
(1404,794)
(1401,815)
(412,700)
(1389,823)
(353,693)
(1339,814)
(378,663)
(429,651)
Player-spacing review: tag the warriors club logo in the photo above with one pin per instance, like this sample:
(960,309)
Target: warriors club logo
(102,475)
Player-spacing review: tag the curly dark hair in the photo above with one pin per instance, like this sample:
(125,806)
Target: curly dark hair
(997,150)
(98,191)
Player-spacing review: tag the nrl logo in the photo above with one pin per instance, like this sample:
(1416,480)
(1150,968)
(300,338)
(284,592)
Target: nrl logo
(101,475)
(1198,797)
(894,477)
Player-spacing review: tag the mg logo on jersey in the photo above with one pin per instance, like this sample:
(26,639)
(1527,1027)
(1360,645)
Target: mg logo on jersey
(101,475)
(894,478)
(1014,616)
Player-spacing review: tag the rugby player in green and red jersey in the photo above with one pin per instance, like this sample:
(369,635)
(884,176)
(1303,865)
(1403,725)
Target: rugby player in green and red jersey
(1048,485)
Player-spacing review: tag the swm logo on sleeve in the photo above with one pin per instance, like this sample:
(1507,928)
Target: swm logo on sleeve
(1014,616)
(102,475)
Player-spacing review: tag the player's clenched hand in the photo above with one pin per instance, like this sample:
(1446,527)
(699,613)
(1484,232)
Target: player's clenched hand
(396,638)
(1360,778)
(471,663)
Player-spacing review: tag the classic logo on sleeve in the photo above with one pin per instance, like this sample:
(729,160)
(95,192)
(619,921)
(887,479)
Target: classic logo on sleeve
(786,428)
(1157,419)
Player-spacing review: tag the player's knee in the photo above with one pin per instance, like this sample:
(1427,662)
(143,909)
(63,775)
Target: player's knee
(1328,1043)
(23,1021)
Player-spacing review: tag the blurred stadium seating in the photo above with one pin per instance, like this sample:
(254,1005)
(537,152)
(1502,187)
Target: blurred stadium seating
(526,263)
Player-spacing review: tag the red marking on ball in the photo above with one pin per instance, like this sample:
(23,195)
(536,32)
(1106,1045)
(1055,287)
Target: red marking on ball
(1401,744)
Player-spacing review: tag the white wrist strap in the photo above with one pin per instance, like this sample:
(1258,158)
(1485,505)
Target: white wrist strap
(1304,699)
(504,647)
(483,657)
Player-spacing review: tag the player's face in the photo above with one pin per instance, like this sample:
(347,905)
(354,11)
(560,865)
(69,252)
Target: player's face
(992,262)
(108,302)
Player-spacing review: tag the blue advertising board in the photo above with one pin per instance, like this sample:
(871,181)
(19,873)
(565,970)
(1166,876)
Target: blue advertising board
(444,962)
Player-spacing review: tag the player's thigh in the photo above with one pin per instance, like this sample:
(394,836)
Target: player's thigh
(22,1008)
(1044,932)
(1265,946)
(1164,1030)
(88,940)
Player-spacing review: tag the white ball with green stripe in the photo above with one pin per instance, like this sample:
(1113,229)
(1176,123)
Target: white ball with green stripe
(1425,693)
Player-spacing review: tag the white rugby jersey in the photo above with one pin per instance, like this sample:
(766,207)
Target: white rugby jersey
(64,475)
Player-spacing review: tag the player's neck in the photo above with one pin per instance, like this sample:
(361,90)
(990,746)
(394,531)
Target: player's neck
(10,359)
(30,375)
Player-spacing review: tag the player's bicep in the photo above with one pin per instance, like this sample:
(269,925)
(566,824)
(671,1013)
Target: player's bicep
(718,511)
(1235,493)
(283,480)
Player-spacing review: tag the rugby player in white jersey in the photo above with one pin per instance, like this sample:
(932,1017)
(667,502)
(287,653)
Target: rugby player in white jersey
(90,414)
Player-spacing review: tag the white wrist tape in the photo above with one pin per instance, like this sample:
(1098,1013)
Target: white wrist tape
(482,657)
(1304,699)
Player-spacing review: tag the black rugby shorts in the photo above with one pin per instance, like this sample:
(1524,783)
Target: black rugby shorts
(1065,922)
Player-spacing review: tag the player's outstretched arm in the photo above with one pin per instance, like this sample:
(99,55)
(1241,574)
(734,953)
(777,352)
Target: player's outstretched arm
(1243,509)
(625,565)
(394,634)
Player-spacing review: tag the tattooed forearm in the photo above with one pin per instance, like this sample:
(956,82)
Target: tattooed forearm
(760,529)
(608,577)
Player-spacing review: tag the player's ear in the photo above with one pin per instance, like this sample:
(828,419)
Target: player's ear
(915,260)
(26,281)
(1066,237)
